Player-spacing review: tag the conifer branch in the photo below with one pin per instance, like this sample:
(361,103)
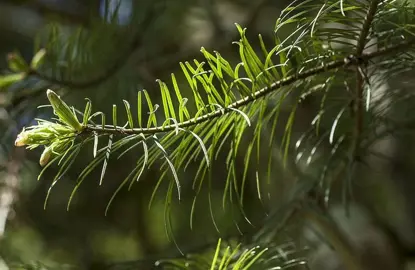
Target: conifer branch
(353,60)
(209,128)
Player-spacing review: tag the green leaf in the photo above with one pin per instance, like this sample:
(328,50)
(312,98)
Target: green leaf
(129,114)
(87,112)
(107,157)
(182,104)
(139,116)
(173,170)
(114,115)
(152,110)
(9,79)
(215,258)
(38,59)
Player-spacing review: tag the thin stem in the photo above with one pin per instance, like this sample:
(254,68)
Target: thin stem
(358,109)
(359,76)
(367,24)
(358,100)
(347,62)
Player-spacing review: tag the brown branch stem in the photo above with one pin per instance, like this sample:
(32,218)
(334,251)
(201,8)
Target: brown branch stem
(358,100)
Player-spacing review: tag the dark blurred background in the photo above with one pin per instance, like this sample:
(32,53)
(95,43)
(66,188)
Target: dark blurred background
(145,51)
(126,45)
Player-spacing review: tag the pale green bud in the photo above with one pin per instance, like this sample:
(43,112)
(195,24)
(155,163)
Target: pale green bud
(43,134)
(45,157)
(22,139)
(63,111)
